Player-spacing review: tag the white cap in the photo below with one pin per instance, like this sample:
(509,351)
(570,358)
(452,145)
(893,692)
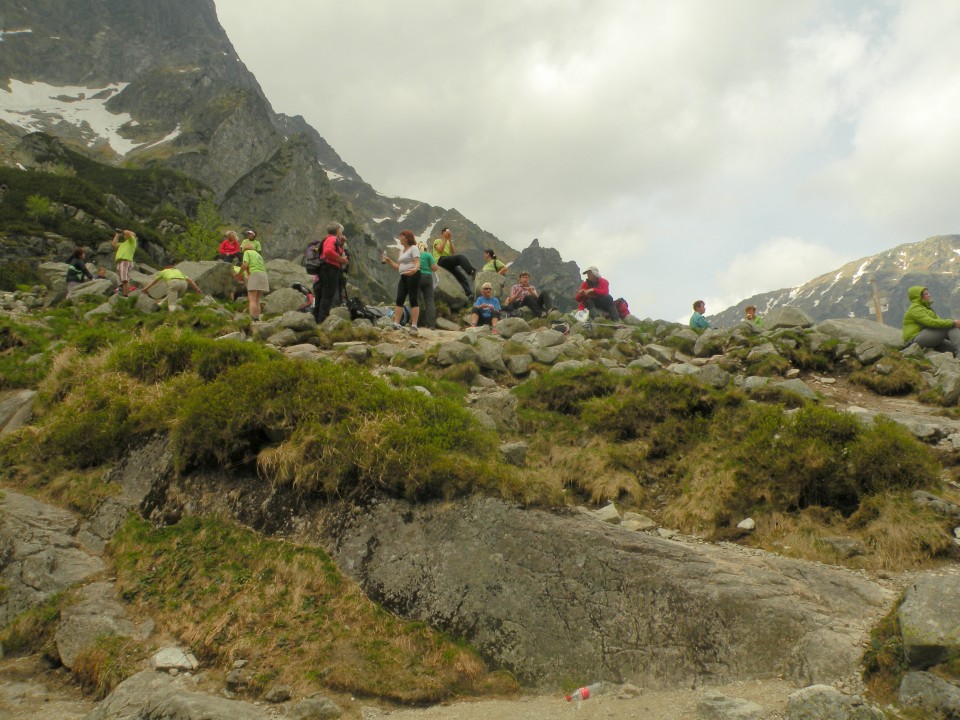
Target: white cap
(591,269)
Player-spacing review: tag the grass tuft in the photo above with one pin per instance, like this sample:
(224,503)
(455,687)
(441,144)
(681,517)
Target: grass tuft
(231,594)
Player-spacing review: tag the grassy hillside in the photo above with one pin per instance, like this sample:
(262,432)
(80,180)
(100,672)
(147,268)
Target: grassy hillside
(696,458)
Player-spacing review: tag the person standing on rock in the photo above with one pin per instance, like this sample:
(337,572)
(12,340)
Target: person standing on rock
(923,327)
(256,273)
(408,265)
(458,265)
(333,258)
(428,268)
(124,257)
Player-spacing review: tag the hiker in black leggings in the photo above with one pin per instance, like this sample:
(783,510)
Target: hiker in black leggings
(458,265)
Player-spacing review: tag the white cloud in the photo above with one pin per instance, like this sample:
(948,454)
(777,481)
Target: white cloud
(657,140)
(779,263)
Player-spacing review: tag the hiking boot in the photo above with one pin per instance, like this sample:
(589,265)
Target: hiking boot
(413,330)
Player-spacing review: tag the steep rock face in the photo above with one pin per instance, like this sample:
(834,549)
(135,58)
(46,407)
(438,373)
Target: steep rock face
(182,99)
(90,42)
(848,291)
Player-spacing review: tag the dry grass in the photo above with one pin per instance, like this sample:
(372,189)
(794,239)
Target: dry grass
(107,664)
(702,507)
(230,594)
(590,470)
(895,533)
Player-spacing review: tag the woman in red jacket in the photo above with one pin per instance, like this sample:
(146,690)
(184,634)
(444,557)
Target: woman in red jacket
(230,248)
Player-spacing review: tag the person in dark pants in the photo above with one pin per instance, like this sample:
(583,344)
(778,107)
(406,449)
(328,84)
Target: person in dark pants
(327,285)
(594,295)
(458,265)
(524,294)
(428,306)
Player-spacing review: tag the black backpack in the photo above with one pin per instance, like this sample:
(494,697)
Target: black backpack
(359,310)
(313,257)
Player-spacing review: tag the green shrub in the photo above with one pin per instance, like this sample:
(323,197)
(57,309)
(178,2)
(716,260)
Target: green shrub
(823,457)
(890,376)
(172,351)
(337,430)
(565,392)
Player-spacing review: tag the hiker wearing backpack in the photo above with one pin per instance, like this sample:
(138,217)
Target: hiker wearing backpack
(331,260)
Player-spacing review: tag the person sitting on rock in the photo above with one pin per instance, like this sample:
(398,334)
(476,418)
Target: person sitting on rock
(77,272)
(491,264)
(457,265)
(750,311)
(923,327)
(229,250)
(523,294)
(594,295)
(697,320)
(486,309)
(177,284)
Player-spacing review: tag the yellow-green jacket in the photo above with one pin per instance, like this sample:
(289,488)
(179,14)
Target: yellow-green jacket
(920,315)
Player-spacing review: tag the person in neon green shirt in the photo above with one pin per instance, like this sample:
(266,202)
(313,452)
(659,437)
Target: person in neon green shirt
(257,281)
(124,257)
(177,284)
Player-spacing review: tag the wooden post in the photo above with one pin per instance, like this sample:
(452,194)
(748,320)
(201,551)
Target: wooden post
(876,300)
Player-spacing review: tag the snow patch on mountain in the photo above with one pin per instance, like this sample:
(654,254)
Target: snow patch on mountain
(38,106)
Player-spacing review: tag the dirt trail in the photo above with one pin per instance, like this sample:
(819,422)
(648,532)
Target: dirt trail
(29,691)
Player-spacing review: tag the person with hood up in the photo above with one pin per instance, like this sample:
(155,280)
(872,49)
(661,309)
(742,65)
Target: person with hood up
(922,326)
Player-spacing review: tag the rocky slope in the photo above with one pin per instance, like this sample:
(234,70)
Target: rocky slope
(159,84)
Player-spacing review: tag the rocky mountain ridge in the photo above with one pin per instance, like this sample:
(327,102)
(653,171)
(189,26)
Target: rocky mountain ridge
(851,290)
(160,84)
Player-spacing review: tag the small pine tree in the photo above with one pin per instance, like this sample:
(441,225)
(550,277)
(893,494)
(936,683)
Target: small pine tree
(40,207)
(202,236)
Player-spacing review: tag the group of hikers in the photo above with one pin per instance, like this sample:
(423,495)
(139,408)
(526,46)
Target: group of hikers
(417,265)
(327,260)
(921,324)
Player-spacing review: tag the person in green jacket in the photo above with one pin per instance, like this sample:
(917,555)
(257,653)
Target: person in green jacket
(921,325)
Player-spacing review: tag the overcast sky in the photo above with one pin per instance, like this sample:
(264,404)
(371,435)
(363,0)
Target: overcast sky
(689,148)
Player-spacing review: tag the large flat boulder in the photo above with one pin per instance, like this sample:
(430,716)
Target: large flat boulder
(552,596)
(39,553)
(861,330)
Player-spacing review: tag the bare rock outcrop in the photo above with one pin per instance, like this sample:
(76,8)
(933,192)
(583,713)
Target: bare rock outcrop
(39,553)
(552,596)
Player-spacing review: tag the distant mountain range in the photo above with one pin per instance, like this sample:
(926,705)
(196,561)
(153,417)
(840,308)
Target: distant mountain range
(157,83)
(852,290)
